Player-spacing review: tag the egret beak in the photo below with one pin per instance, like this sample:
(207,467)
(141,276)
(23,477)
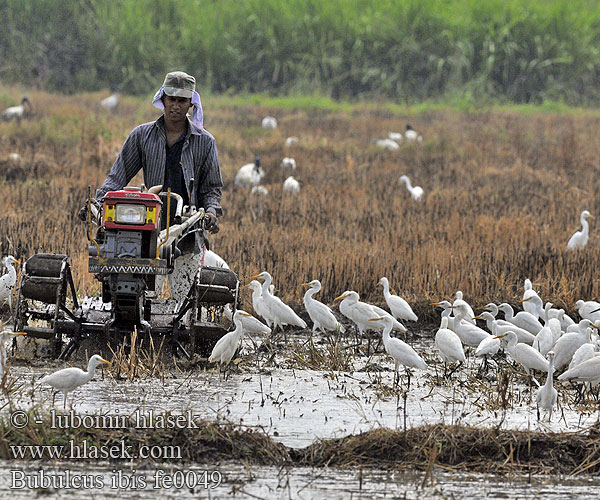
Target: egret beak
(500,336)
(524,300)
(16,261)
(305,284)
(246,286)
(339,298)
(435,303)
(594,325)
(107,362)
(258,276)
(375,319)
(17,333)
(477,317)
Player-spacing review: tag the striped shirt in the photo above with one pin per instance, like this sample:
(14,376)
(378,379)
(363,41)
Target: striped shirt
(145,149)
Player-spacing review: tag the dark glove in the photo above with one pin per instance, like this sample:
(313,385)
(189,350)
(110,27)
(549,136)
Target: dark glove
(83,211)
(211,222)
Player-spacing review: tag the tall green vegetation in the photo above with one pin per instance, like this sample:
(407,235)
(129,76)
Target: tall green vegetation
(409,50)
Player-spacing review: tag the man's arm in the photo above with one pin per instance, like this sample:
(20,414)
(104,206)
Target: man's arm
(127,164)
(211,185)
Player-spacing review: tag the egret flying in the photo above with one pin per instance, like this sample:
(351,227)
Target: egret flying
(69,379)
(399,308)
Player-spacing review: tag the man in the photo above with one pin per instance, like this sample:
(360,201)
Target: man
(171,151)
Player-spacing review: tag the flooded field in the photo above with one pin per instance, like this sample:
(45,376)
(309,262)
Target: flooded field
(239,481)
(298,407)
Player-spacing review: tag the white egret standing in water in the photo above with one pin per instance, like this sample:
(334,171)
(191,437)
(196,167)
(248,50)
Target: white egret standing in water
(399,308)
(320,314)
(547,395)
(69,379)
(402,353)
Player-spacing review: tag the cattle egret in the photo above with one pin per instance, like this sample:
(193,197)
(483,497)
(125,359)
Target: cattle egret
(399,308)
(524,354)
(291,185)
(567,344)
(269,123)
(387,144)
(8,280)
(260,191)
(69,379)
(448,344)
(415,191)
(402,353)
(109,103)
(588,309)
(531,300)
(588,371)
(458,301)
(547,395)
(3,356)
(522,319)
(214,260)
(225,348)
(580,238)
(469,333)
(288,163)
(291,140)
(280,313)
(320,314)
(249,175)
(258,302)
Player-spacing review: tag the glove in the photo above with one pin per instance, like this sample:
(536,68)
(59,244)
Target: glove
(211,222)
(83,211)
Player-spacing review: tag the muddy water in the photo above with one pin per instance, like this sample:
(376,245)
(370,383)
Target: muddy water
(297,406)
(236,481)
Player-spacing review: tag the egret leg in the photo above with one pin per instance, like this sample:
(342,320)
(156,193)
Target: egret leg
(396,374)
(408,377)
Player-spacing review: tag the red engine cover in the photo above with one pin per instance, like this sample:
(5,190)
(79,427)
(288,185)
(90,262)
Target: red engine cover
(131,195)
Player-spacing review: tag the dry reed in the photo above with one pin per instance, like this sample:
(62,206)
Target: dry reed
(503,193)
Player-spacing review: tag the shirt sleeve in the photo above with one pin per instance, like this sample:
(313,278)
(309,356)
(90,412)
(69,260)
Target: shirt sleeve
(127,164)
(211,185)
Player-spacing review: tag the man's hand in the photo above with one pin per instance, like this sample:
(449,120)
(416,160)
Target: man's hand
(211,222)
(83,211)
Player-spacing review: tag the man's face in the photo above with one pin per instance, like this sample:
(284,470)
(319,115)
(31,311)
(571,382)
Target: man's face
(176,108)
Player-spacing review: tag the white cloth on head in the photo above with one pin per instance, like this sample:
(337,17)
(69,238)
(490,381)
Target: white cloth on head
(197,114)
